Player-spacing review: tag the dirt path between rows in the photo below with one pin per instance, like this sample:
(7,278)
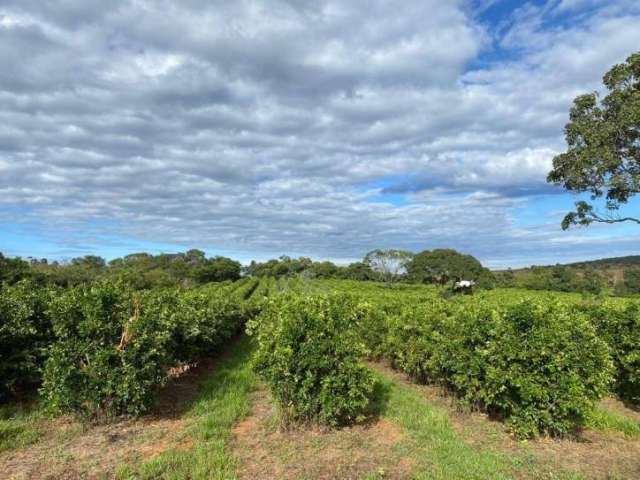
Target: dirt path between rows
(266,452)
(68,450)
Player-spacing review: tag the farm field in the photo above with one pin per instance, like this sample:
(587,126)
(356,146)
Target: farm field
(329,240)
(320,379)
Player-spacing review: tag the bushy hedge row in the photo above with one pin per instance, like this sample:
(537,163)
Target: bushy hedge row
(25,335)
(114,346)
(309,352)
(538,365)
(619,325)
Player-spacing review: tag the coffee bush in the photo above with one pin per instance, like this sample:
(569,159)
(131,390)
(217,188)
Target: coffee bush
(546,368)
(114,346)
(310,355)
(25,335)
(415,335)
(619,325)
(207,318)
(540,366)
(112,350)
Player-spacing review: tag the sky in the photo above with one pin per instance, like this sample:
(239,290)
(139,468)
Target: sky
(252,129)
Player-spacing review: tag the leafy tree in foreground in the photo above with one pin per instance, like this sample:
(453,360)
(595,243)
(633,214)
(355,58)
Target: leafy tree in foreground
(603,158)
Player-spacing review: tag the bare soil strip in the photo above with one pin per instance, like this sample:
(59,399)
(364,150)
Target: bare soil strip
(373,450)
(264,451)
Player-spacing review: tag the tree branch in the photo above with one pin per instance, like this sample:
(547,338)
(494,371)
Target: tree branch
(597,218)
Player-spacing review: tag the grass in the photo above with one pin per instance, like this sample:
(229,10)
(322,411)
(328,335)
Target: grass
(436,448)
(440,453)
(19,425)
(603,420)
(222,401)
(431,442)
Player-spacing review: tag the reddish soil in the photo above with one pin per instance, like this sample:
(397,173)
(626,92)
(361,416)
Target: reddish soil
(265,451)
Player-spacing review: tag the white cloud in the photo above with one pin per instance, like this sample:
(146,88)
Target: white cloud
(258,125)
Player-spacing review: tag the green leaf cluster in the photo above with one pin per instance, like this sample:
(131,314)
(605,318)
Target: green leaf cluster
(309,353)
(25,334)
(114,346)
(538,365)
(619,325)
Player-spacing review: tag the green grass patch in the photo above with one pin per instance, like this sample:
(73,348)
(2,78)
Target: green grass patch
(222,401)
(19,425)
(439,452)
(603,420)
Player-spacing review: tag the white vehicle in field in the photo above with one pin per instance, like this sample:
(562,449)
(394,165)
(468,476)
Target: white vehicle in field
(463,286)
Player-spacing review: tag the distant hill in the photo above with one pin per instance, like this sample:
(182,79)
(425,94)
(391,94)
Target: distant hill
(549,277)
(600,264)
(629,260)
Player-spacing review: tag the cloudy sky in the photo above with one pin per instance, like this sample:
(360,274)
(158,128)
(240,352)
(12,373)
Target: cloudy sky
(328,128)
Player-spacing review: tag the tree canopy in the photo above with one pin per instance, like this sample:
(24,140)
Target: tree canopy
(390,264)
(603,155)
(443,265)
(218,269)
(13,269)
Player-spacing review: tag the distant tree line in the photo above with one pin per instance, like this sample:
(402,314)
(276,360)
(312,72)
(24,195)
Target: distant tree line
(141,270)
(144,270)
(438,266)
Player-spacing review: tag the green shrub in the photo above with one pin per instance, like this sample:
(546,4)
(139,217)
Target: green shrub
(114,346)
(619,326)
(310,355)
(25,335)
(373,329)
(537,365)
(207,318)
(546,368)
(112,351)
(414,338)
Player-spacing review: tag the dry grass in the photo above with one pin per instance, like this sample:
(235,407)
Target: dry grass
(265,451)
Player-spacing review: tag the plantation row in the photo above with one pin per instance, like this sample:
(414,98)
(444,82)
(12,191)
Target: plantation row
(104,350)
(539,362)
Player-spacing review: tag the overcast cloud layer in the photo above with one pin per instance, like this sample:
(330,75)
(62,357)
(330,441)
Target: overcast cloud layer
(322,128)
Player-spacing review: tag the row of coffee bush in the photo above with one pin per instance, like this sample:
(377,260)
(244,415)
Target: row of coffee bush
(26,333)
(104,350)
(310,354)
(539,366)
(618,323)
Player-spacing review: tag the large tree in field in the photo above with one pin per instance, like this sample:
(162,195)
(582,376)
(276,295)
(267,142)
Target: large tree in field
(444,264)
(390,264)
(603,155)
